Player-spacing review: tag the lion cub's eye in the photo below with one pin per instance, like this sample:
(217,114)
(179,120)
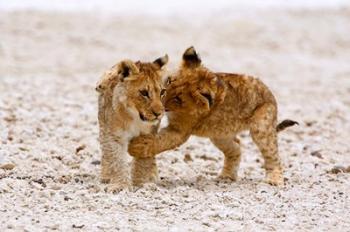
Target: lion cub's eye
(162,92)
(177,100)
(144,93)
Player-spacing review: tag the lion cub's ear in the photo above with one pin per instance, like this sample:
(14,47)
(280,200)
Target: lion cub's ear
(127,68)
(161,61)
(191,58)
(106,82)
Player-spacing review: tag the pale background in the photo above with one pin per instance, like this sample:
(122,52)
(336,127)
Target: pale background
(52,54)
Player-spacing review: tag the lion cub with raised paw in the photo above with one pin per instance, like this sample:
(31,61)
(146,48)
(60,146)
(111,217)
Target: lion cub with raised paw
(129,104)
(218,106)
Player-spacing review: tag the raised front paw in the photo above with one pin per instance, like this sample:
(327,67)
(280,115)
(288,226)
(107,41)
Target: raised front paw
(141,146)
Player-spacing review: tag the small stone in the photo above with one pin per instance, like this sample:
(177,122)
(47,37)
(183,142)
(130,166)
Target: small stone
(94,189)
(8,166)
(175,160)
(41,182)
(96,162)
(188,158)
(338,169)
(53,227)
(191,148)
(56,187)
(58,157)
(347,169)
(64,179)
(80,148)
(78,226)
(75,166)
(309,123)
(317,154)
(23,148)
(205,157)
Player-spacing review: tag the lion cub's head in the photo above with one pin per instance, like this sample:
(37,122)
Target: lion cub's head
(193,90)
(136,85)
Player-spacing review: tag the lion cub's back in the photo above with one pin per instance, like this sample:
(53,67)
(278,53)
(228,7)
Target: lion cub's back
(244,94)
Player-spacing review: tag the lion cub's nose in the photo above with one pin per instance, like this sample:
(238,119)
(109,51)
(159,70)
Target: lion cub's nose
(157,114)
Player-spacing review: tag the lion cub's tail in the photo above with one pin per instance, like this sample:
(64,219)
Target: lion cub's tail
(285,123)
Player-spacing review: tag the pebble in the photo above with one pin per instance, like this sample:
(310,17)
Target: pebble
(8,166)
(56,187)
(339,169)
(188,158)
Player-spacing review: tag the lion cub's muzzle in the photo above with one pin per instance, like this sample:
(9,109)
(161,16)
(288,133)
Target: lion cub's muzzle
(152,116)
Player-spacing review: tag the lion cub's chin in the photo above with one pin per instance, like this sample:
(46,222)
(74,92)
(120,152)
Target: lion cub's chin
(147,126)
(140,126)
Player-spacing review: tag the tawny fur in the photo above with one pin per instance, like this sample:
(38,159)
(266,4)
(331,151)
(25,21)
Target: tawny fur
(217,106)
(129,104)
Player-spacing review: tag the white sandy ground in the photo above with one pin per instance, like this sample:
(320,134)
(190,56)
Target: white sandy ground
(50,62)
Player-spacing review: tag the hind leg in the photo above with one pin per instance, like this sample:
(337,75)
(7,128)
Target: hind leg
(114,165)
(106,173)
(231,149)
(144,170)
(264,134)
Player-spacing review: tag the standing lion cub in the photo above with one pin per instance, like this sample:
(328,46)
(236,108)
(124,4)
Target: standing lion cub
(129,104)
(218,106)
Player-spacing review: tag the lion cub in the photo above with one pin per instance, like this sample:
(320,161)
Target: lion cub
(129,104)
(218,106)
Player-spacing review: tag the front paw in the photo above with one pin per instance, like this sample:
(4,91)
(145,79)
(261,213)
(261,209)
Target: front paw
(141,147)
(105,180)
(275,177)
(116,188)
(105,177)
(227,177)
